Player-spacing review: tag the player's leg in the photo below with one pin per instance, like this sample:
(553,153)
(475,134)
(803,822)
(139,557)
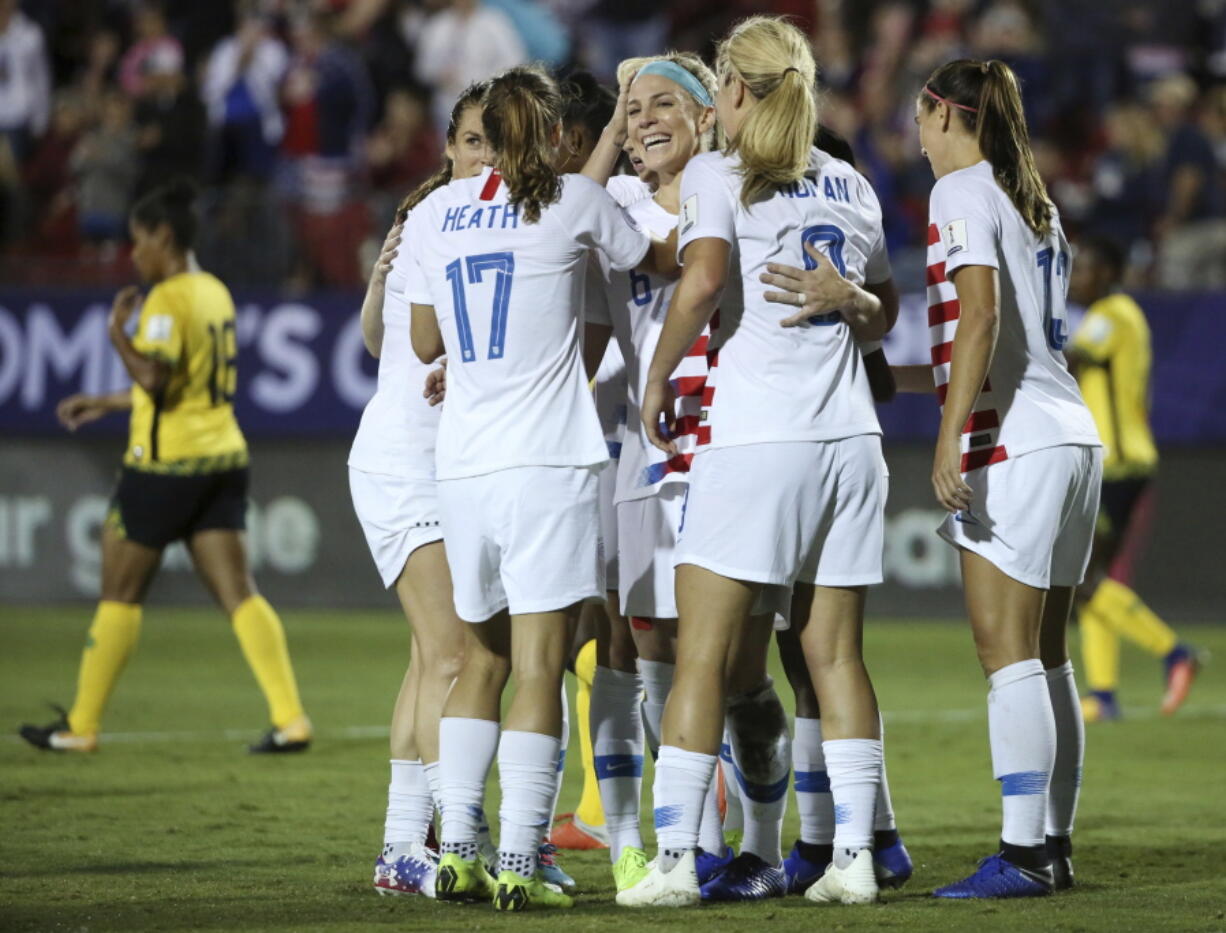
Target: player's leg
(585,829)
(127,570)
(220,557)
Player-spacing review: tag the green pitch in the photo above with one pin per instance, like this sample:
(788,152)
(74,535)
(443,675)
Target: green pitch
(172,827)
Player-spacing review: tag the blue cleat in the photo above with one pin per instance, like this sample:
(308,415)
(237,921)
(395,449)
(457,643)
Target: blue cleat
(997,878)
(745,878)
(892,862)
(548,869)
(805,864)
(707,864)
(411,872)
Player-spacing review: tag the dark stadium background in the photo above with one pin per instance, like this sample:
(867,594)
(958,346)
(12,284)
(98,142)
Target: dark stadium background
(100,100)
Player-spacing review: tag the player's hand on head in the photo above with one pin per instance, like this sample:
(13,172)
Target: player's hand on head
(619,122)
(126,302)
(659,414)
(948,483)
(436,384)
(820,290)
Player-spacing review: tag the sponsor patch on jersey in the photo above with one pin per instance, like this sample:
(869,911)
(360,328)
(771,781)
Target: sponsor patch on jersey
(159,327)
(954,235)
(689,214)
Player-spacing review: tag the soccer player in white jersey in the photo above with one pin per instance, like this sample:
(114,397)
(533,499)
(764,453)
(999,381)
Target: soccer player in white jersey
(496,284)
(790,489)
(391,478)
(1018,460)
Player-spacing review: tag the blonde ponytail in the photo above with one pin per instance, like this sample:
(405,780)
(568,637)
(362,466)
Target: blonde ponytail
(522,107)
(775,61)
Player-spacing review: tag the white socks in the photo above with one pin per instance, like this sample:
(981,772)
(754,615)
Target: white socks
(410,808)
(565,744)
(854,766)
(657,682)
(466,751)
(711,828)
(435,783)
(617,749)
(1022,730)
(884,821)
(812,784)
(1070,750)
(762,758)
(528,768)
(734,814)
(682,781)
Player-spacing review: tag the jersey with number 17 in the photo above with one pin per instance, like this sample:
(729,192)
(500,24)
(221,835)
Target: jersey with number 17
(1029,400)
(508,296)
(769,383)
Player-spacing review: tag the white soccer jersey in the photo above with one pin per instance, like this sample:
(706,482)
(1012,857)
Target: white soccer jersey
(397,433)
(626,189)
(509,296)
(769,383)
(1029,400)
(609,390)
(637,304)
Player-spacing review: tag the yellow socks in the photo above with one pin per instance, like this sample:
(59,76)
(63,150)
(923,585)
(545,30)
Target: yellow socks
(1122,609)
(262,639)
(1100,652)
(112,636)
(589,810)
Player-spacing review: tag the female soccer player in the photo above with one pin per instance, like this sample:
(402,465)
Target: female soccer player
(1018,461)
(391,478)
(184,476)
(790,488)
(496,283)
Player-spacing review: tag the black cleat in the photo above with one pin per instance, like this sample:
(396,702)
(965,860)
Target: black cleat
(296,737)
(1060,848)
(58,737)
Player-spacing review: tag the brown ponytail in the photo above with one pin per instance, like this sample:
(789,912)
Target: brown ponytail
(471,96)
(988,100)
(522,107)
(775,61)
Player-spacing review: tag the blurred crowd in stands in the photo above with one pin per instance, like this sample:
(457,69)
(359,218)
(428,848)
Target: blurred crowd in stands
(306,120)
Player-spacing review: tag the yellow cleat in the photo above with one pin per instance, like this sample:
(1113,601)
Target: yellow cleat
(460,880)
(515,892)
(630,868)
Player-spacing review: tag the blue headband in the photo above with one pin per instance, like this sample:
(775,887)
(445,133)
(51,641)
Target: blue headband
(680,76)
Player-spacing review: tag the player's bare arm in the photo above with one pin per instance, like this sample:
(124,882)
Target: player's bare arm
(148,373)
(77,410)
(427,338)
(372,304)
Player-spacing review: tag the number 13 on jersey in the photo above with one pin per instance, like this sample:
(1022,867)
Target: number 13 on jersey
(503,265)
(1055,319)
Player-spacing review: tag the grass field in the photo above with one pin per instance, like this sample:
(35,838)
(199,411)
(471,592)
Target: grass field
(172,827)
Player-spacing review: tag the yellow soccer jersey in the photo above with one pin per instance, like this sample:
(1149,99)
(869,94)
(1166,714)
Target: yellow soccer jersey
(1114,346)
(188,322)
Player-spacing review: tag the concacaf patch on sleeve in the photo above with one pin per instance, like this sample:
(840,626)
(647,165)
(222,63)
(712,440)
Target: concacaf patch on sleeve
(689,214)
(954,235)
(159,327)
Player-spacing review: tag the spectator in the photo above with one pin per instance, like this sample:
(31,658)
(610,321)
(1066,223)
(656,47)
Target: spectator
(619,29)
(170,121)
(241,85)
(1126,179)
(154,43)
(104,164)
(25,81)
(462,42)
(402,151)
(1191,231)
(47,176)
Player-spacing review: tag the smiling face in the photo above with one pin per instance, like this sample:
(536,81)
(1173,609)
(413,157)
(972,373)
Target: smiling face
(470,152)
(665,122)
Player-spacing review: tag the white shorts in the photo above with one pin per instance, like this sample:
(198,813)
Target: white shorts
(646,537)
(808,512)
(524,539)
(398,515)
(608,522)
(1033,516)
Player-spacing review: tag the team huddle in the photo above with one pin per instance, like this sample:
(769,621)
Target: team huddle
(659,394)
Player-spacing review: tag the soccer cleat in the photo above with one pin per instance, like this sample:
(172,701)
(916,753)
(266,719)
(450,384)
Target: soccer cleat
(58,737)
(461,880)
(515,892)
(675,888)
(998,878)
(1100,706)
(549,869)
(707,864)
(410,873)
(1182,665)
(746,878)
(570,832)
(295,737)
(630,868)
(1060,850)
(855,884)
(892,862)
(805,864)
